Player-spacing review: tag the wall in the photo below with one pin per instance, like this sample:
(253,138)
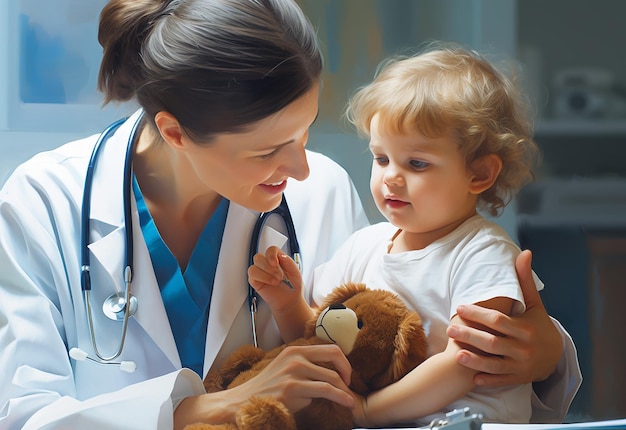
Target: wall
(49,59)
(48,98)
(579,246)
(398,27)
(561,35)
(352,52)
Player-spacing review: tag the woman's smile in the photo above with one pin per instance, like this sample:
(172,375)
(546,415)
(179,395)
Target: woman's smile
(274,188)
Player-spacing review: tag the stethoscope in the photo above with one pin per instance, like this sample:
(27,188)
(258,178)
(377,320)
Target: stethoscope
(120,306)
(294,247)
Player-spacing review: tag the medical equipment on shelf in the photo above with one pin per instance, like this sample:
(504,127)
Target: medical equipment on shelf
(283,211)
(121,306)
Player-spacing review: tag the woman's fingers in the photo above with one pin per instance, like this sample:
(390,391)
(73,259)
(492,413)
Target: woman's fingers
(493,371)
(326,354)
(505,349)
(294,378)
(527,283)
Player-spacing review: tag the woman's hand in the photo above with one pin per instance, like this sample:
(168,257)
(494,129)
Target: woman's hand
(295,379)
(292,378)
(527,347)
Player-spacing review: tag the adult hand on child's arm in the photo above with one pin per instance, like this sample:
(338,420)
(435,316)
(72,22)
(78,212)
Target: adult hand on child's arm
(527,348)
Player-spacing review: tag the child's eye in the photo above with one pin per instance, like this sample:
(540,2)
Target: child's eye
(418,164)
(381,160)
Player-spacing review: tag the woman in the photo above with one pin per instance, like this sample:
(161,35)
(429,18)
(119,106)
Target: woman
(228,90)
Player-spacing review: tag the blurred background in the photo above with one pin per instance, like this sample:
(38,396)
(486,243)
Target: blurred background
(569,54)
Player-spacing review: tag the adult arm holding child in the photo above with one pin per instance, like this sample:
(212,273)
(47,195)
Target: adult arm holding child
(515,348)
(531,347)
(426,390)
(520,349)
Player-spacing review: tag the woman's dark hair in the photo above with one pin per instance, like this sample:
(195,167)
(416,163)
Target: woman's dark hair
(218,66)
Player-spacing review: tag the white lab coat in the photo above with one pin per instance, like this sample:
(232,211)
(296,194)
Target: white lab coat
(42,308)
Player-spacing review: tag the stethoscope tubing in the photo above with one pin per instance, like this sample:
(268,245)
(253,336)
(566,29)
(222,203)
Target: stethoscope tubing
(86,205)
(283,211)
(128,228)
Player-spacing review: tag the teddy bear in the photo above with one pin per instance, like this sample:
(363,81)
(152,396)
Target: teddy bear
(382,339)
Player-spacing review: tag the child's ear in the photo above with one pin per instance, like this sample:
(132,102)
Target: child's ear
(483,172)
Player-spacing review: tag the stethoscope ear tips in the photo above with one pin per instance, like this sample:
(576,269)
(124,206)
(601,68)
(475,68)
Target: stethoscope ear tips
(128,366)
(78,354)
(81,355)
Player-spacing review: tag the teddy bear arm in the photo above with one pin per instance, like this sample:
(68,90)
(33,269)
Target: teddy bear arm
(202,426)
(265,413)
(323,414)
(240,361)
(358,385)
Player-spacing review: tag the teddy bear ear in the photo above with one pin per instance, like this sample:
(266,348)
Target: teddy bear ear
(410,347)
(342,293)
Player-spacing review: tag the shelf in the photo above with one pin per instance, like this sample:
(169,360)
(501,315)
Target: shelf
(580,127)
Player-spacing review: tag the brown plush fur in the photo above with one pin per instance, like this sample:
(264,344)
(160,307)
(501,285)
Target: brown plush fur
(390,343)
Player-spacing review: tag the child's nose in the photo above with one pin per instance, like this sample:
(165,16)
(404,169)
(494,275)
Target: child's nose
(393,176)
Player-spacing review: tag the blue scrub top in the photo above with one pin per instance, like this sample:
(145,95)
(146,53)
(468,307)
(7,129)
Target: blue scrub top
(186,295)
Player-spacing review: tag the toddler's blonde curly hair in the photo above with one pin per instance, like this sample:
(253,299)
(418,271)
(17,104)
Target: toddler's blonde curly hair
(447,88)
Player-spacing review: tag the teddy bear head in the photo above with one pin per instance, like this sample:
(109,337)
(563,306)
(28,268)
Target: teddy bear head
(380,336)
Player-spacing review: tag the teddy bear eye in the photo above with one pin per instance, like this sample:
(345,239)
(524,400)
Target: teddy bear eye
(359,324)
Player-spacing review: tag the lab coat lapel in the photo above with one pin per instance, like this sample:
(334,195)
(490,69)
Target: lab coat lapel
(230,288)
(152,316)
(107,215)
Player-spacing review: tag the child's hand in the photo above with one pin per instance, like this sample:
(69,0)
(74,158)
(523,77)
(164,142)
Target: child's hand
(275,276)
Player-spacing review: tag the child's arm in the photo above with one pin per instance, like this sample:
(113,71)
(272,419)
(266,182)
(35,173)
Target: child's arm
(428,388)
(275,276)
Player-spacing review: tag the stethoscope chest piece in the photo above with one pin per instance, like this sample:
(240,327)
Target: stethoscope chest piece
(114,307)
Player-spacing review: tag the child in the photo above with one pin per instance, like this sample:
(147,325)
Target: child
(449,135)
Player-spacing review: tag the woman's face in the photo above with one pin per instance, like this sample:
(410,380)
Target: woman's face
(252,168)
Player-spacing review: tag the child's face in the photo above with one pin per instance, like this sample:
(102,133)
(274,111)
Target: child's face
(420,184)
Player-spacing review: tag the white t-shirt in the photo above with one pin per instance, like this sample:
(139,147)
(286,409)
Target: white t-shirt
(474,263)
